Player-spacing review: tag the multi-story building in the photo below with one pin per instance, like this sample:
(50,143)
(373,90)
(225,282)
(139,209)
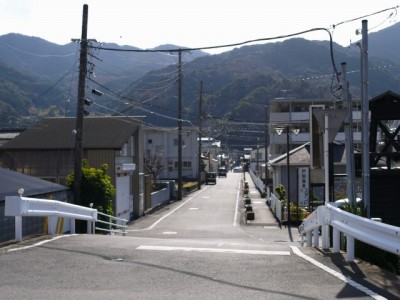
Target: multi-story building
(162,145)
(296,113)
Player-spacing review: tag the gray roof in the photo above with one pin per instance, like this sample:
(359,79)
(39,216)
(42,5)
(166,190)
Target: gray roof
(11,181)
(301,155)
(57,133)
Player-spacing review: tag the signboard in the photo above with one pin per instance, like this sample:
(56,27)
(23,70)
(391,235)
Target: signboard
(303,183)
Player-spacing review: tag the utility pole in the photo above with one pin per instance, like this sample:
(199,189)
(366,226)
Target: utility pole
(365,117)
(180,185)
(80,109)
(266,143)
(200,133)
(348,129)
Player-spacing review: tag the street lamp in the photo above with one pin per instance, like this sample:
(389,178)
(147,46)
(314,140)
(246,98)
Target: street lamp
(279,131)
(258,146)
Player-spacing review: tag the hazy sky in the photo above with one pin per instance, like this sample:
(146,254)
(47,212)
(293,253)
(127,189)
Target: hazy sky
(150,23)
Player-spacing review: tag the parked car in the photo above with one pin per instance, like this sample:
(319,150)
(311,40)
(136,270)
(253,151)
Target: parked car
(222,172)
(237,169)
(211,177)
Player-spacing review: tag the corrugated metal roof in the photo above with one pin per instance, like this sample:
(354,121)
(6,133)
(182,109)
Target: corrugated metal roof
(301,155)
(10,133)
(11,181)
(57,133)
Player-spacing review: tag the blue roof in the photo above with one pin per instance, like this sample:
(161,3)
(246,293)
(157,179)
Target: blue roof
(11,181)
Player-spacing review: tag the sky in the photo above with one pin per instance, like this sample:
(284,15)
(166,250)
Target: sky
(194,24)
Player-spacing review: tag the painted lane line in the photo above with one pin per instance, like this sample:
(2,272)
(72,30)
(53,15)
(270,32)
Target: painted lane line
(168,214)
(41,243)
(237,207)
(170,232)
(212,250)
(338,275)
(193,208)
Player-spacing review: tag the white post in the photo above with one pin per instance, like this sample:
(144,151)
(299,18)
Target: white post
(316,237)
(72,222)
(336,240)
(51,225)
(350,249)
(325,236)
(309,238)
(88,227)
(18,228)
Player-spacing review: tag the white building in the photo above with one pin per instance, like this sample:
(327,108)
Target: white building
(296,112)
(163,144)
(211,153)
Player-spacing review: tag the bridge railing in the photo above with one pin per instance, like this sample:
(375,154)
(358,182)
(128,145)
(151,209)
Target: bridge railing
(113,225)
(19,207)
(380,235)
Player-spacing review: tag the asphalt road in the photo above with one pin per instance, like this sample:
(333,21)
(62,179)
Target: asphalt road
(191,249)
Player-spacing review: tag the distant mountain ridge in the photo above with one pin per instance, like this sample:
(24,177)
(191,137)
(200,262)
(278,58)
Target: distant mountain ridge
(39,79)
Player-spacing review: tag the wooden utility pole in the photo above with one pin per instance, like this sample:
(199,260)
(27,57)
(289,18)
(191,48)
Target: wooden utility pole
(80,109)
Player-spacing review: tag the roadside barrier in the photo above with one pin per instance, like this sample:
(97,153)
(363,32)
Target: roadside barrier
(19,207)
(380,235)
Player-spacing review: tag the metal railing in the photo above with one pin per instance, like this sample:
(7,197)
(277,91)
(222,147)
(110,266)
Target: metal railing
(276,207)
(19,207)
(380,235)
(112,227)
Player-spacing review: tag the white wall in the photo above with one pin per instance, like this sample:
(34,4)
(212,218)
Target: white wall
(164,142)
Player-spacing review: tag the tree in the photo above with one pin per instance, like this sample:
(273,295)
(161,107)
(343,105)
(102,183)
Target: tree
(96,187)
(154,164)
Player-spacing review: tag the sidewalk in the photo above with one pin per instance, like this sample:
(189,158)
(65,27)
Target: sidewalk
(366,273)
(263,215)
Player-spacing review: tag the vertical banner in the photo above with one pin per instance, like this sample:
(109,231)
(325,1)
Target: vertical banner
(303,183)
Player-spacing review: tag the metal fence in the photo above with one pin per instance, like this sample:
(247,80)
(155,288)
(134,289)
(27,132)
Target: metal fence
(380,235)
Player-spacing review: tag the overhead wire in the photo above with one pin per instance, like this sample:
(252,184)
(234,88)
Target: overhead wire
(336,73)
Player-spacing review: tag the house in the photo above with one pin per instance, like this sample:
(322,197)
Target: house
(211,153)
(46,151)
(302,183)
(162,144)
(33,187)
(9,134)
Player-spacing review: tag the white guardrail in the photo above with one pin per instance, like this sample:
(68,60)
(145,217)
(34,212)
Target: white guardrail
(112,224)
(380,235)
(19,207)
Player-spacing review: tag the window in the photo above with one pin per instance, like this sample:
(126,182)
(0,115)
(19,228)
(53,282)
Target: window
(176,142)
(149,141)
(160,149)
(185,164)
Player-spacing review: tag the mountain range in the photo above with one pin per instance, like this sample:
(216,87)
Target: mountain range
(39,79)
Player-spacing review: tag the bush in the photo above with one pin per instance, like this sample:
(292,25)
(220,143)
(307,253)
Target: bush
(96,188)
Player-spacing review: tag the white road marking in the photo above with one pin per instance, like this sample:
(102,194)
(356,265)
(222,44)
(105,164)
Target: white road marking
(338,275)
(212,250)
(40,243)
(193,208)
(237,207)
(170,232)
(168,214)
